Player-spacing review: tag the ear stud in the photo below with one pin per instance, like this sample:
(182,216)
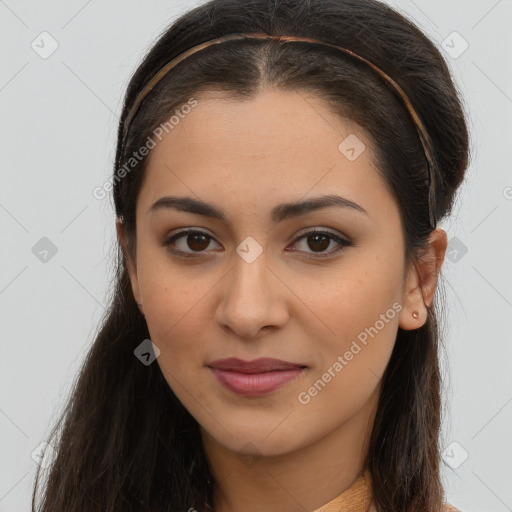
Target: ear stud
(415,314)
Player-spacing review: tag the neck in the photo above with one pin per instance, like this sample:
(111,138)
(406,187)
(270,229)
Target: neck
(304,479)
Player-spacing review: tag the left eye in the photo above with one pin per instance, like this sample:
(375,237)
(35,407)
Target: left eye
(319,241)
(197,241)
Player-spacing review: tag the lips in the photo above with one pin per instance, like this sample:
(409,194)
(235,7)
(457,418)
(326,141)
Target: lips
(264,364)
(255,378)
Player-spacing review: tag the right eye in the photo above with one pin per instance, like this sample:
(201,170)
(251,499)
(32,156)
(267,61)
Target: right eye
(190,239)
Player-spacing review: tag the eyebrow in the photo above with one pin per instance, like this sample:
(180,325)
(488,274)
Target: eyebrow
(278,214)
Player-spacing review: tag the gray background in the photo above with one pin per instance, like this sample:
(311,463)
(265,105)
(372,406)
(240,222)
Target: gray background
(58,128)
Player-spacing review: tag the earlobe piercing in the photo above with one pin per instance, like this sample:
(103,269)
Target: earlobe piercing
(415,314)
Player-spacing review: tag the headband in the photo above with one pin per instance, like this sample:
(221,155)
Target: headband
(422,132)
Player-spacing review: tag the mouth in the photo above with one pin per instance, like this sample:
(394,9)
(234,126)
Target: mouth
(257,377)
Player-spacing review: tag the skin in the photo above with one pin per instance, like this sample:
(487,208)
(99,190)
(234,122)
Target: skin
(246,157)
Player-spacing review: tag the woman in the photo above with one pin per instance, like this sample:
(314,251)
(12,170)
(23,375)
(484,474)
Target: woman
(272,342)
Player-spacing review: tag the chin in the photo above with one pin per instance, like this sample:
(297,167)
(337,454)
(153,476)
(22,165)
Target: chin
(256,442)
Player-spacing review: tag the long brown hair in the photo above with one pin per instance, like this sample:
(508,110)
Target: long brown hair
(124,441)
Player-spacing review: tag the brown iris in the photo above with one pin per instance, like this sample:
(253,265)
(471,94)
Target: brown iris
(199,241)
(321,242)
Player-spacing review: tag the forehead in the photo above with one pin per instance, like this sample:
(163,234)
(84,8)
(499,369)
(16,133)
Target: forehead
(279,144)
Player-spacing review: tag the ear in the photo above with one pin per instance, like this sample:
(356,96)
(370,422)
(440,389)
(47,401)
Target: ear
(421,282)
(130,264)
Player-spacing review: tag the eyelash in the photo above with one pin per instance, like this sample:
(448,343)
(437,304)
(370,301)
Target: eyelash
(343,244)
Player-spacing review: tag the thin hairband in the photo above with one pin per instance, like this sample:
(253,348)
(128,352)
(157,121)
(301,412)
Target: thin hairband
(422,132)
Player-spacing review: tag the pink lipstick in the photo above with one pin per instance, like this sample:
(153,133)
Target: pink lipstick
(257,377)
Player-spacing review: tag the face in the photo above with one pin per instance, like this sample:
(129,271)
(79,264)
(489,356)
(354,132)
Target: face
(323,288)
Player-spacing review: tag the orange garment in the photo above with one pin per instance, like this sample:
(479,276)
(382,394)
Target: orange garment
(355,499)
(358,498)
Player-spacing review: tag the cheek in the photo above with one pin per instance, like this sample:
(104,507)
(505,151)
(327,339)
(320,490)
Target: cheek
(354,295)
(174,300)
(176,318)
(360,306)
(351,367)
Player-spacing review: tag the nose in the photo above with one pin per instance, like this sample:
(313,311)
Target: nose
(253,299)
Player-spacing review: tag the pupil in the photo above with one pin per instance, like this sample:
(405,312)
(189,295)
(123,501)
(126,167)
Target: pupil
(323,245)
(200,246)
